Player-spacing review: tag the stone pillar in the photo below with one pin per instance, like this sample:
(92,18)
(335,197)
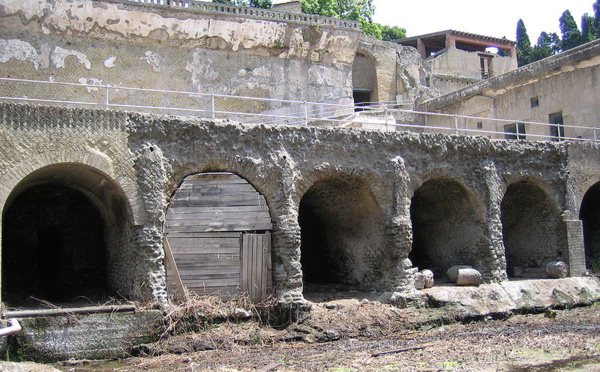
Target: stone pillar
(150,276)
(400,229)
(574,229)
(450,41)
(287,270)
(150,283)
(494,260)
(421,48)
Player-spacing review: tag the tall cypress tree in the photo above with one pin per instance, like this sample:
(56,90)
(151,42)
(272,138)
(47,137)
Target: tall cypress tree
(597,18)
(588,28)
(571,36)
(524,49)
(547,45)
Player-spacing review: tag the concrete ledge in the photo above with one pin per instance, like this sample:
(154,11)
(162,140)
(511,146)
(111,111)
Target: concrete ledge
(89,336)
(512,296)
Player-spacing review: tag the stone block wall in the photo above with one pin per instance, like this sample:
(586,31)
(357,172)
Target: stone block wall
(159,47)
(136,162)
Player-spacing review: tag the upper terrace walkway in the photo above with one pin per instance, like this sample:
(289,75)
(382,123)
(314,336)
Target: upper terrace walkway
(248,12)
(263,111)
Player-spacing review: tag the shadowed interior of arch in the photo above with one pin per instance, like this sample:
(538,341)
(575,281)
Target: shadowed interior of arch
(446,231)
(590,217)
(342,235)
(532,231)
(64,228)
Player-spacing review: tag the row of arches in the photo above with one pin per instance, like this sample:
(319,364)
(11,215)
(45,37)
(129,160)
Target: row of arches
(67,232)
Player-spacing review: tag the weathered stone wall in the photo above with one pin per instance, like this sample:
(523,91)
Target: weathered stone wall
(138,45)
(147,157)
(565,83)
(455,68)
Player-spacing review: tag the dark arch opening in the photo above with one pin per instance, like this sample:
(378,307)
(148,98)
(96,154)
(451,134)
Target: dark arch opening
(65,239)
(53,246)
(532,231)
(341,235)
(446,230)
(589,215)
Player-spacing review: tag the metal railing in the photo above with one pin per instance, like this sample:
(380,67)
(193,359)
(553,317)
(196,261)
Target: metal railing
(249,12)
(266,111)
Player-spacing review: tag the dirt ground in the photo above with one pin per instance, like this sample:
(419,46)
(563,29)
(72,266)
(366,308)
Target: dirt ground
(349,334)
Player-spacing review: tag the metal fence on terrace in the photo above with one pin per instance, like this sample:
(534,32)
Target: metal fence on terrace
(390,116)
(249,12)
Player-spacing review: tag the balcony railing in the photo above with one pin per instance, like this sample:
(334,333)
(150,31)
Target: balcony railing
(390,116)
(249,12)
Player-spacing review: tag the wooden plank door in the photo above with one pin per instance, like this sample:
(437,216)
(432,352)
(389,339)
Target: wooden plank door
(208,263)
(256,273)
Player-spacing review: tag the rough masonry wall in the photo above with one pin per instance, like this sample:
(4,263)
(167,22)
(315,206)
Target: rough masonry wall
(87,151)
(566,83)
(138,45)
(284,163)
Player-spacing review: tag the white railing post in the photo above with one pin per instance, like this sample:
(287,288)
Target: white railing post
(595,139)
(517,128)
(305,113)
(106,98)
(456,124)
(212,105)
(385,112)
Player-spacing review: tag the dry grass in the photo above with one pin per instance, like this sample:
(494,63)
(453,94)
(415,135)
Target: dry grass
(371,336)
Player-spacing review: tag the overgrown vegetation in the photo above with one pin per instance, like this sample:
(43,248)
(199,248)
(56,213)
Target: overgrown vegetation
(355,10)
(551,43)
(267,4)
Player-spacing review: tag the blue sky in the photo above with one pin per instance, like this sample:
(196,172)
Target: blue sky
(488,18)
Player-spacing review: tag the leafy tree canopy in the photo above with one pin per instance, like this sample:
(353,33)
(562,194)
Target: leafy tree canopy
(588,29)
(356,10)
(571,36)
(597,17)
(524,49)
(253,3)
(389,33)
(547,45)
(550,43)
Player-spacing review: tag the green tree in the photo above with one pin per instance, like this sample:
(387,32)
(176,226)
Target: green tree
(253,3)
(524,49)
(597,18)
(588,28)
(356,10)
(389,33)
(547,45)
(571,36)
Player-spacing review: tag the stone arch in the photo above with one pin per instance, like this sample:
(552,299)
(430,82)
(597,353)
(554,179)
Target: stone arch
(364,79)
(533,231)
(447,225)
(249,169)
(66,233)
(342,234)
(378,184)
(93,159)
(589,214)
